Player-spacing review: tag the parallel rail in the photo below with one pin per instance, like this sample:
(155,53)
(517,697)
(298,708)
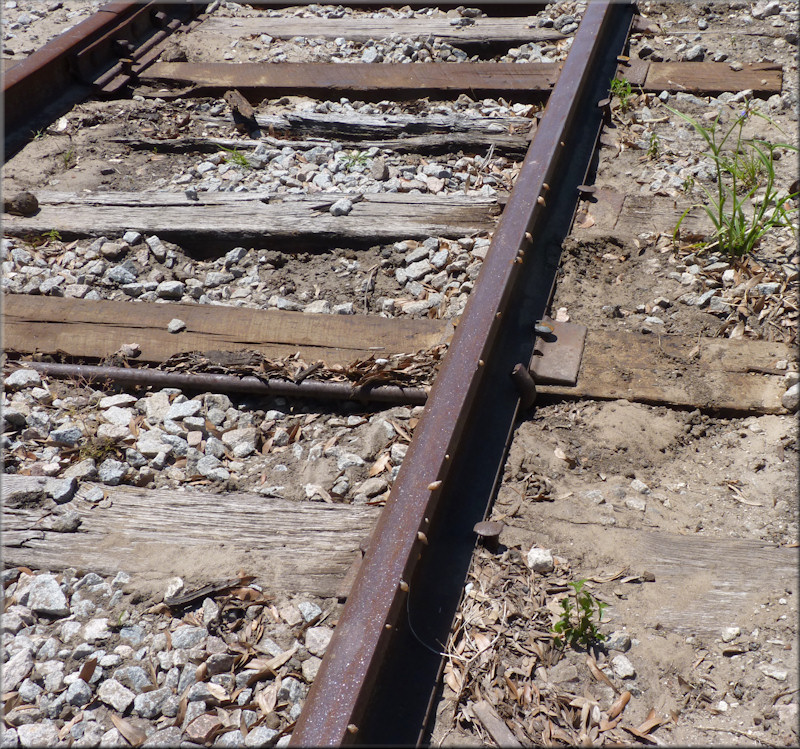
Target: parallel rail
(377,678)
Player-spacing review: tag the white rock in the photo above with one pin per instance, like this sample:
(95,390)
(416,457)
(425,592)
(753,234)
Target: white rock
(622,667)
(45,597)
(317,639)
(791,398)
(16,669)
(768,669)
(116,695)
(729,634)
(96,629)
(44,733)
(22,378)
(540,560)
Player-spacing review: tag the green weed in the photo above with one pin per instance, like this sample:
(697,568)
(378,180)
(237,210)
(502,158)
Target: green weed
(69,158)
(742,167)
(354,159)
(52,236)
(575,627)
(235,157)
(654,147)
(621,88)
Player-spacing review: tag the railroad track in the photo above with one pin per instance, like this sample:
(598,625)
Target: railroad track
(440,176)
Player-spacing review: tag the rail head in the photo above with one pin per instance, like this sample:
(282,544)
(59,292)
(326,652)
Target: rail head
(341,693)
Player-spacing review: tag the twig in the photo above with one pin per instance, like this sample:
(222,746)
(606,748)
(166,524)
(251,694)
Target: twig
(370,276)
(737,732)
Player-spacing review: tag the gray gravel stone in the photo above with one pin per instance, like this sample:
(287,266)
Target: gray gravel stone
(165,737)
(622,667)
(16,669)
(260,736)
(182,410)
(61,490)
(44,733)
(309,610)
(171,289)
(317,639)
(291,690)
(341,207)
(46,597)
(157,248)
(96,629)
(78,694)
(186,636)
(112,472)
(116,695)
(22,378)
(540,560)
(133,677)
(211,467)
(791,398)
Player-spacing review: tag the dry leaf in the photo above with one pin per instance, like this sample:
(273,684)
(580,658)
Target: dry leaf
(217,692)
(133,735)
(599,675)
(65,729)
(482,642)
(380,465)
(619,705)
(268,698)
(653,721)
(88,669)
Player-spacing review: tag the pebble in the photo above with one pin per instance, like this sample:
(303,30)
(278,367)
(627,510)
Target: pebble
(622,667)
(791,398)
(774,672)
(540,560)
(341,207)
(729,634)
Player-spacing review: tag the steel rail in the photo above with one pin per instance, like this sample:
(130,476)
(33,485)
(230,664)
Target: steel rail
(340,696)
(96,53)
(250,385)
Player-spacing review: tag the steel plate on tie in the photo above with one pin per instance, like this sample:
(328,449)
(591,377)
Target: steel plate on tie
(557,356)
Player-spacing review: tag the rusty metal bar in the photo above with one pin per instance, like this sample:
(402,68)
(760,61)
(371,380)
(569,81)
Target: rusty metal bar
(219,383)
(341,693)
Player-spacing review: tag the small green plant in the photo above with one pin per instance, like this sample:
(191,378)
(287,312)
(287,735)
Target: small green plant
(688,184)
(97,448)
(354,159)
(621,88)
(68,157)
(237,158)
(52,236)
(742,168)
(654,148)
(38,134)
(575,627)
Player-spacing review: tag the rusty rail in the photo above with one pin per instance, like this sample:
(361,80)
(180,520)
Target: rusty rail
(249,385)
(98,54)
(341,695)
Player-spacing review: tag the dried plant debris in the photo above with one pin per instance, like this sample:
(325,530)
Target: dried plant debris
(409,370)
(508,683)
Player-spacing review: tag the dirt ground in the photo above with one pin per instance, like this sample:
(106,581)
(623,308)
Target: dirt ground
(684,523)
